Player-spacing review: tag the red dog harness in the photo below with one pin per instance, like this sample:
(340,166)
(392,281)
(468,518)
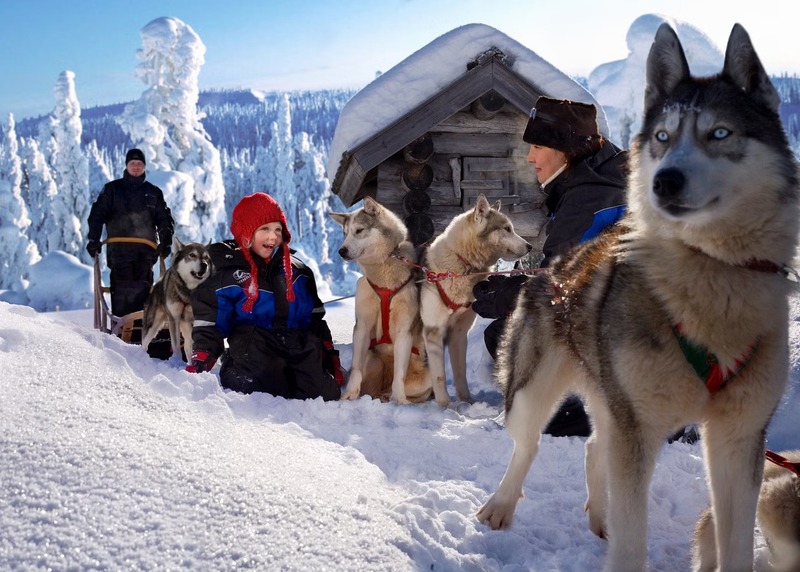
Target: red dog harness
(386,295)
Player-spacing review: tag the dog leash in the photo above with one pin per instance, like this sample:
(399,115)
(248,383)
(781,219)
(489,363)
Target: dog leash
(434,277)
(782,461)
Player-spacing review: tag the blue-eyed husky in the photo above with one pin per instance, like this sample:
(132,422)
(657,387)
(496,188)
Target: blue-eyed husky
(680,315)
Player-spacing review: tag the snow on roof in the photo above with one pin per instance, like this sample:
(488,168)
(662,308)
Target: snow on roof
(431,69)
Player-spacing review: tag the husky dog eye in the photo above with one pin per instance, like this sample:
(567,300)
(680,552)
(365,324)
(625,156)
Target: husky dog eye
(720,133)
(662,136)
(359,230)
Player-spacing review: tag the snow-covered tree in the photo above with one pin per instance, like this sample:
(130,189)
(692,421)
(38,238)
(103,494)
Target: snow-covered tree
(165,124)
(99,169)
(281,152)
(315,201)
(17,252)
(73,201)
(41,190)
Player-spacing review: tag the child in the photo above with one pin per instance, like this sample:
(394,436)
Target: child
(265,302)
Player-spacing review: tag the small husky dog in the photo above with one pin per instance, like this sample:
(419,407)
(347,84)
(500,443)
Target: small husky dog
(778,516)
(168,304)
(470,245)
(388,351)
(679,315)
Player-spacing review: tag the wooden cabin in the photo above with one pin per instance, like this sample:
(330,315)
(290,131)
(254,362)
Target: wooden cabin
(430,164)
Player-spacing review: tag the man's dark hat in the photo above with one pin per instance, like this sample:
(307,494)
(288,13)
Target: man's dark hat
(561,124)
(134,155)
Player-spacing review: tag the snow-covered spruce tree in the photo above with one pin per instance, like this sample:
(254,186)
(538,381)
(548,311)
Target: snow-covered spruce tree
(315,201)
(17,251)
(45,230)
(165,124)
(281,151)
(72,203)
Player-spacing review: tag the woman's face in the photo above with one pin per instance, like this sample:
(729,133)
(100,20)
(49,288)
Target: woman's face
(266,239)
(545,161)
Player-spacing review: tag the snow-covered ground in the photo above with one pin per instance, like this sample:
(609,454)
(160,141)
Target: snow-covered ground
(112,460)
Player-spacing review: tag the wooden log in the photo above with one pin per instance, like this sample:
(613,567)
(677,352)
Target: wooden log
(416,202)
(487,105)
(420,228)
(417,178)
(419,151)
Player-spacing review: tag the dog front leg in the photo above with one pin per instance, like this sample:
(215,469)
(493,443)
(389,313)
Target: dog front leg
(402,354)
(631,460)
(735,470)
(457,348)
(360,349)
(434,346)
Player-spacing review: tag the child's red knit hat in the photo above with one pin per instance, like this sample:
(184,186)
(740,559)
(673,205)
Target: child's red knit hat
(252,212)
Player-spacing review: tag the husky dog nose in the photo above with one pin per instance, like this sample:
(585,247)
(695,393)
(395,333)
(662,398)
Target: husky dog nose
(203,268)
(668,182)
(343,252)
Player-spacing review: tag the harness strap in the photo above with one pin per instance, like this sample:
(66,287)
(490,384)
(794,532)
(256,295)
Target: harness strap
(386,295)
(782,461)
(706,365)
(447,301)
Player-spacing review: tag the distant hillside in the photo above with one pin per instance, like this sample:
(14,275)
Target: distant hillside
(235,119)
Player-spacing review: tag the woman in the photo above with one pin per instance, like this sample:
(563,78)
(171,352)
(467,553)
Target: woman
(583,176)
(264,301)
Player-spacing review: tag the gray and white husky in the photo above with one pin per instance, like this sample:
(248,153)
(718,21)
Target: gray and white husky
(168,304)
(471,244)
(680,315)
(388,351)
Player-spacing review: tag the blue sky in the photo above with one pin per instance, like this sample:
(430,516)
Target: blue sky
(312,44)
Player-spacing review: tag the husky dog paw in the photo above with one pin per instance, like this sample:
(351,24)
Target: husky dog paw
(496,513)
(351,394)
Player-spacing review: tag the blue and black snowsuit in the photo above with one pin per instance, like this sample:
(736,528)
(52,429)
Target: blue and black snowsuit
(278,348)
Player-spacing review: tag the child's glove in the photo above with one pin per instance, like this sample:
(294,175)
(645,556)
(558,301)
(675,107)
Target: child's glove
(201,361)
(331,362)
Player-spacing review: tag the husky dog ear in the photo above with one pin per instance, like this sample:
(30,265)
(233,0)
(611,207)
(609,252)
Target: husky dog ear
(339,218)
(371,206)
(176,244)
(744,67)
(482,208)
(496,205)
(666,66)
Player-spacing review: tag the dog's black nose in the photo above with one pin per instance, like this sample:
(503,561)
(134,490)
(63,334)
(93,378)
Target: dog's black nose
(203,268)
(668,182)
(343,252)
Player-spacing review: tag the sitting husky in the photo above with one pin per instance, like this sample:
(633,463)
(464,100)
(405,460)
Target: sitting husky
(388,352)
(678,316)
(778,517)
(168,304)
(470,245)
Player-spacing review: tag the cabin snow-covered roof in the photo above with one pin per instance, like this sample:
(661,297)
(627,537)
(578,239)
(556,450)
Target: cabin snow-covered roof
(393,97)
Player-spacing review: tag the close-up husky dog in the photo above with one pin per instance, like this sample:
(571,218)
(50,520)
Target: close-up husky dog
(388,351)
(168,304)
(678,316)
(470,245)
(778,517)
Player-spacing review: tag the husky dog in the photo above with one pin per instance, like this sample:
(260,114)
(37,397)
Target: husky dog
(679,315)
(778,516)
(469,246)
(388,351)
(168,304)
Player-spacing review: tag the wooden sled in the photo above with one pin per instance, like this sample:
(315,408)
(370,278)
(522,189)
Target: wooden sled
(120,326)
